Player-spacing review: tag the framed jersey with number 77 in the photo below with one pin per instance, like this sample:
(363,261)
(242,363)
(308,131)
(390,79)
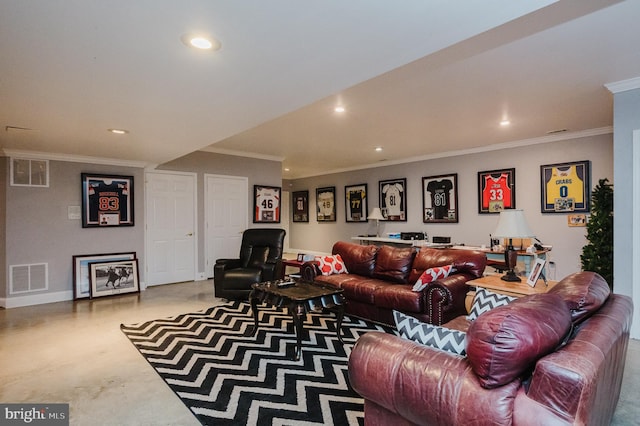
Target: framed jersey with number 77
(496,190)
(356,203)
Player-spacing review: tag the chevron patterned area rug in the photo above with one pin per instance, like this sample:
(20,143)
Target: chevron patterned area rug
(227,377)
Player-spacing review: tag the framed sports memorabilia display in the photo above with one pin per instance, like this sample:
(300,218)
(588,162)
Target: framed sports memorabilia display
(393,199)
(81,272)
(266,204)
(565,187)
(440,199)
(300,206)
(107,200)
(111,278)
(326,204)
(496,190)
(356,204)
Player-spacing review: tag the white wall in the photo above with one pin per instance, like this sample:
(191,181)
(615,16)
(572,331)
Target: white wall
(473,228)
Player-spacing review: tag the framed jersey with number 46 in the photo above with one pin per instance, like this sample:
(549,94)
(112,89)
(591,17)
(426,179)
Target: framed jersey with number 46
(266,204)
(496,190)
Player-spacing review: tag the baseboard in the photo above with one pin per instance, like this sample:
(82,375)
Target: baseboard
(36,299)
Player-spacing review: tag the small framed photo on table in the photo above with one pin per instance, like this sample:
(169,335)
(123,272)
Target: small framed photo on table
(536,271)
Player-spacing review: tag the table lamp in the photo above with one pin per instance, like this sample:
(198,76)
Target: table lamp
(512,224)
(377,215)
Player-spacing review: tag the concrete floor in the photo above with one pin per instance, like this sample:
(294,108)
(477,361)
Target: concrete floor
(74,352)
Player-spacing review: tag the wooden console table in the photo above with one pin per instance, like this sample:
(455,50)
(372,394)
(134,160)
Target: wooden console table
(495,284)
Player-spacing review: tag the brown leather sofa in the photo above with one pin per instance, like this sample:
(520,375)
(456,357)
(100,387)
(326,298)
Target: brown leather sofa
(576,382)
(381,278)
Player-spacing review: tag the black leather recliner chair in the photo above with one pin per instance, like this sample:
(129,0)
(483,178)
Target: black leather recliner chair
(260,260)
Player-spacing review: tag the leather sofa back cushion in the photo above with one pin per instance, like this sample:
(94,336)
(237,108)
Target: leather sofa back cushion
(358,259)
(469,261)
(394,264)
(505,342)
(583,292)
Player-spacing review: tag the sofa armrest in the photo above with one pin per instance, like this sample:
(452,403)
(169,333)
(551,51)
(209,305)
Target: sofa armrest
(309,270)
(425,385)
(445,298)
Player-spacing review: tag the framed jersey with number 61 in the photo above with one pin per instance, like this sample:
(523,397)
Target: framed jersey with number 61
(266,204)
(440,199)
(496,190)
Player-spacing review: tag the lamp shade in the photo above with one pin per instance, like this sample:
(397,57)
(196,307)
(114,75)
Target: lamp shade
(513,224)
(376,214)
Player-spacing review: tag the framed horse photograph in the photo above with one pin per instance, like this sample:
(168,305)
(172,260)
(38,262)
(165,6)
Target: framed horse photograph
(81,272)
(112,278)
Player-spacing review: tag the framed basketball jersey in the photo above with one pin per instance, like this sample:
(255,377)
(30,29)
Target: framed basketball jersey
(565,187)
(107,200)
(356,207)
(393,196)
(266,204)
(496,190)
(440,199)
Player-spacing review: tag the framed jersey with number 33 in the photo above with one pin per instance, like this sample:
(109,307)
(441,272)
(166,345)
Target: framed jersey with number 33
(496,190)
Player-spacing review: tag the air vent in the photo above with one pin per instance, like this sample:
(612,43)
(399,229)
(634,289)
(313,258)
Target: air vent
(553,132)
(28,278)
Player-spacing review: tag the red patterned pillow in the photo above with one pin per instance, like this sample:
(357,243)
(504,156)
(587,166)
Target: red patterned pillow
(330,265)
(431,275)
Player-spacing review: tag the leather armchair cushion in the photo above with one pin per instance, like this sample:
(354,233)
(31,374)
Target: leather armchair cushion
(505,342)
(257,257)
(358,259)
(583,292)
(394,264)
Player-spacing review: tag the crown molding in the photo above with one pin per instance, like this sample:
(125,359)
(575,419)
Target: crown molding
(623,85)
(37,155)
(242,154)
(556,137)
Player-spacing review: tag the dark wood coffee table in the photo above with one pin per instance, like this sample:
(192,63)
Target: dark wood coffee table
(299,298)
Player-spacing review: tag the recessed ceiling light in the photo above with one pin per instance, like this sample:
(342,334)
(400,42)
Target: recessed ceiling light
(378,149)
(201,41)
(119,131)
(286,169)
(339,109)
(505,122)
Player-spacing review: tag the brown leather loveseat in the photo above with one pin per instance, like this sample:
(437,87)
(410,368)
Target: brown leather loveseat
(380,279)
(545,359)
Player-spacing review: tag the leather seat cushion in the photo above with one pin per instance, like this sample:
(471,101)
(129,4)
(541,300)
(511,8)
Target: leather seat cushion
(363,290)
(241,278)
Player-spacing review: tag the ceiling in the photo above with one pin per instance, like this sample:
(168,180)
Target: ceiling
(421,78)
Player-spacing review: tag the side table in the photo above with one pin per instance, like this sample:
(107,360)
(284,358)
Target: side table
(498,285)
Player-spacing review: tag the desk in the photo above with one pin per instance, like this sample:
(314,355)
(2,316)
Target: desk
(524,257)
(397,241)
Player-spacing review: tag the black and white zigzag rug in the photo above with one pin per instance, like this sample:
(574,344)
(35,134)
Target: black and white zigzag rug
(227,377)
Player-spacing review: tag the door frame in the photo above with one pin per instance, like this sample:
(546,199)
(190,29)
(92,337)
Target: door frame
(194,176)
(205,220)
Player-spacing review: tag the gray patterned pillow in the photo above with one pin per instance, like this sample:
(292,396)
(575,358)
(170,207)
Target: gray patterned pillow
(453,341)
(485,300)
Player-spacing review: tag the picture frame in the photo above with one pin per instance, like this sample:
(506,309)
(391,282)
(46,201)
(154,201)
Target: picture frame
(440,198)
(82,271)
(326,204)
(393,199)
(107,200)
(300,202)
(565,187)
(114,278)
(356,203)
(266,204)
(496,190)
(577,220)
(536,271)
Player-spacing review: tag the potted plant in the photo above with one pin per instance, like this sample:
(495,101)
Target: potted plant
(597,255)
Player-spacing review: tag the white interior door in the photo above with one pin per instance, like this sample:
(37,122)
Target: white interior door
(226,217)
(171,230)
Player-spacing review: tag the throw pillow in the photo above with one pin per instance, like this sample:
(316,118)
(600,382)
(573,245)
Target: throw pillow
(431,275)
(430,335)
(330,265)
(486,300)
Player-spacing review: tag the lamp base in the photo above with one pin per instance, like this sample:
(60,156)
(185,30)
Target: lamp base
(511,277)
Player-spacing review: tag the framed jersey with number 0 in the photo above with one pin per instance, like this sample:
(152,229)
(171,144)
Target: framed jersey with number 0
(356,203)
(565,187)
(496,190)
(440,199)
(266,204)
(107,200)
(393,199)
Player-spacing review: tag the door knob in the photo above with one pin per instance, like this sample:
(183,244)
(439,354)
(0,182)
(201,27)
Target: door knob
(190,234)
